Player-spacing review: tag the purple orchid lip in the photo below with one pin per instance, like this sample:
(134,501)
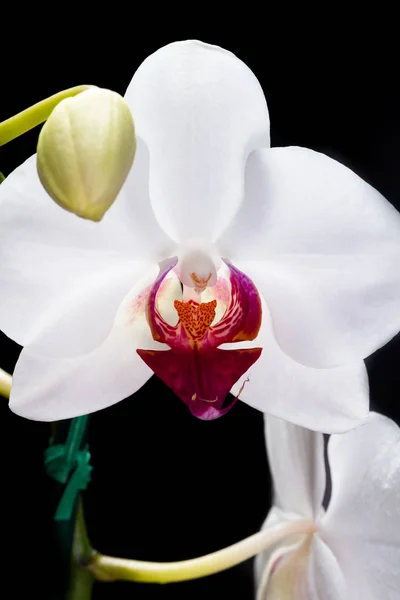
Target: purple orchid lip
(198,372)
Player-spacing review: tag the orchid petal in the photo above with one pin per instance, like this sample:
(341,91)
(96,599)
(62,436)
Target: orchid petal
(309,571)
(324,251)
(362,521)
(267,560)
(296,459)
(279,587)
(200,111)
(365,467)
(49,389)
(83,316)
(325,576)
(55,266)
(328,400)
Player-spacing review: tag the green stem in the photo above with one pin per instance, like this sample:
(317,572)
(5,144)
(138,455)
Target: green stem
(34,115)
(66,463)
(74,439)
(5,383)
(81,580)
(108,568)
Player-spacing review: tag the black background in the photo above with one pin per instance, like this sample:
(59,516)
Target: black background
(166,486)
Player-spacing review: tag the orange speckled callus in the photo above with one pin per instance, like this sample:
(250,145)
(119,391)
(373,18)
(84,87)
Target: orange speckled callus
(196,318)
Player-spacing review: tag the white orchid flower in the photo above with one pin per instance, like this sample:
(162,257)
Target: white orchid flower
(355,550)
(288,263)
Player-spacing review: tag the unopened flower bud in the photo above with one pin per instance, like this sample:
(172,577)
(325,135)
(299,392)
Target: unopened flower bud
(85,151)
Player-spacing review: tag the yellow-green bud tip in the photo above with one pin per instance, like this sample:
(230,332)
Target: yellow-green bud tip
(86,150)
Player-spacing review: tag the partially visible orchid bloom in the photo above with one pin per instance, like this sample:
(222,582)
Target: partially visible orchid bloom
(355,550)
(223,265)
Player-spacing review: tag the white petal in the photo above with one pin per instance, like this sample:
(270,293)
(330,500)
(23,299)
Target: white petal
(201,111)
(370,573)
(296,459)
(308,572)
(273,586)
(53,263)
(146,237)
(325,577)
(49,389)
(80,319)
(327,400)
(365,469)
(328,248)
(362,521)
(266,560)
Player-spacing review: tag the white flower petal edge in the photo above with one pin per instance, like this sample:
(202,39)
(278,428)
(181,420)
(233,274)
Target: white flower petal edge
(328,400)
(49,389)
(296,458)
(62,278)
(201,111)
(324,251)
(362,522)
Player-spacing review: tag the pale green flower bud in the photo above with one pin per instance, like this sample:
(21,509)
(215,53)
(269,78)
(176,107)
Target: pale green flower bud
(85,151)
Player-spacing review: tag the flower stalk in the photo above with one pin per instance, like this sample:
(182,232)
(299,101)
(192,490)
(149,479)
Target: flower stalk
(34,115)
(108,568)
(5,383)
(81,580)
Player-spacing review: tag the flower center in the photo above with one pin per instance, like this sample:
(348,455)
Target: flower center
(195,367)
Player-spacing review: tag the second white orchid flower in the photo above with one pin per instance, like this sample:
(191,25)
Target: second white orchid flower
(279,267)
(355,549)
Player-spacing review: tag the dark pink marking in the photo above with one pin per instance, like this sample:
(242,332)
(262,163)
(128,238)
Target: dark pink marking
(242,319)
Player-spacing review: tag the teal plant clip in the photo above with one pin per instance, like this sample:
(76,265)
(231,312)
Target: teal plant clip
(69,464)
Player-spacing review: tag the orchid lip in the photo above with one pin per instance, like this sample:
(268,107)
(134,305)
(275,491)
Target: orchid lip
(195,368)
